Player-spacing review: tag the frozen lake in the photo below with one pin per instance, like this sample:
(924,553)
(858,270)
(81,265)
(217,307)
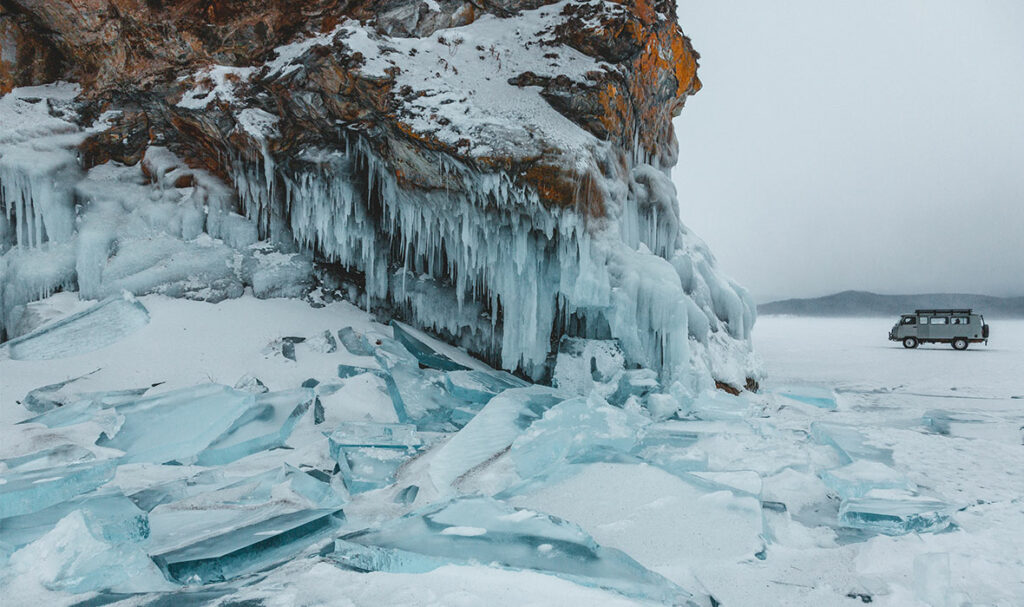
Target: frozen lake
(854,355)
(734,502)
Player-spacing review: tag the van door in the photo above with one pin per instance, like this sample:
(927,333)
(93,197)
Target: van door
(923,331)
(940,328)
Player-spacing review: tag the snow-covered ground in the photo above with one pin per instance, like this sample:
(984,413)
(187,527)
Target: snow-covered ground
(739,499)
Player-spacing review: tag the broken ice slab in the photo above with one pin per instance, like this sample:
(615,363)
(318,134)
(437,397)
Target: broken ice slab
(49,458)
(248,549)
(634,382)
(369,468)
(583,365)
(571,428)
(714,405)
(266,425)
(96,327)
(71,558)
(823,398)
(976,424)
(369,454)
(673,459)
(110,516)
(893,512)
(347,371)
(355,343)
(860,477)
(34,490)
(417,343)
(218,510)
(484,530)
(420,397)
(178,425)
(480,386)
(490,432)
(849,442)
(373,434)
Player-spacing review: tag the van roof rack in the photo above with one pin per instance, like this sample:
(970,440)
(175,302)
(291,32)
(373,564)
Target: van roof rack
(945,311)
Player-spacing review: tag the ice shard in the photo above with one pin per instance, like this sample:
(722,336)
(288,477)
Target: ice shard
(479,386)
(484,530)
(716,405)
(823,398)
(355,343)
(266,425)
(35,490)
(71,558)
(895,512)
(223,519)
(105,323)
(850,443)
(248,549)
(427,356)
(177,425)
(110,516)
(369,454)
(857,479)
(572,428)
(51,457)
(493,430)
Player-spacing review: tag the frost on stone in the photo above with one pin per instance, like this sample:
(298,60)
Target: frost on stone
(484,530)
(586,365)
(103,324)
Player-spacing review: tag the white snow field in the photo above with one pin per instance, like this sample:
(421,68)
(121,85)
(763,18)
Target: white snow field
(408,474)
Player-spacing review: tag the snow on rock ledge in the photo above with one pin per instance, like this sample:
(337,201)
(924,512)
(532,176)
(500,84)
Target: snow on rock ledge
(499,179)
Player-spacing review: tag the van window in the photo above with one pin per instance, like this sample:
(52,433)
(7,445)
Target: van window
(922,320)
(908,320)
(940,320)
(960,320)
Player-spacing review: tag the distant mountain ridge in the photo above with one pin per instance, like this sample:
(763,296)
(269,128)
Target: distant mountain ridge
(864,303)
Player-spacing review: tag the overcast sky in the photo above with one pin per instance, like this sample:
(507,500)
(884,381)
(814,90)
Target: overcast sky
(867,144)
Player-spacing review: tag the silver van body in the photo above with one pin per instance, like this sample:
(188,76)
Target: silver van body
(958,327)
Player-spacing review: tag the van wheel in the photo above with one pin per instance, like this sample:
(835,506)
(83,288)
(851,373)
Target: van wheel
(959,343)
(910,342)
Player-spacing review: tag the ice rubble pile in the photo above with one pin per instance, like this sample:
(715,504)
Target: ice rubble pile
(515,266)
(157,227)
(209,484)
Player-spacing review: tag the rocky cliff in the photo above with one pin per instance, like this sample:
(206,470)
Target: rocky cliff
(493,171)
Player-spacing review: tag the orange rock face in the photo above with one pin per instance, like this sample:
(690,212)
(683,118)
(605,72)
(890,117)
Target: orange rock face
(145,54)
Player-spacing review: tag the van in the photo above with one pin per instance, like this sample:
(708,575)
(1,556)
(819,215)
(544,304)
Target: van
(958,327)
